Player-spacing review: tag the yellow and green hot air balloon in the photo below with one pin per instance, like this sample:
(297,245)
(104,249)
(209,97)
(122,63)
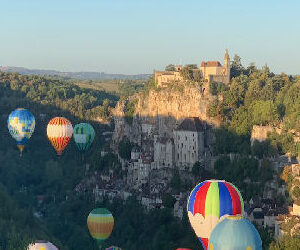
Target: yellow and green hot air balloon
(83,134)
(100,223)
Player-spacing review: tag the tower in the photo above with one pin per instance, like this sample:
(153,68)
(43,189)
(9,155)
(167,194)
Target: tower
(227,66)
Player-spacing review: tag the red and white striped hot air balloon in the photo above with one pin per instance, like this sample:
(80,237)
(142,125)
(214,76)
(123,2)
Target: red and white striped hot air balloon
(59,132)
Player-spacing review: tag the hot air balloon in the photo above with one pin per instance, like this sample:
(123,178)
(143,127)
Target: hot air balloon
(59,132)
(209,202)
(42,245)
(83,135)
(21,124)
(100,224)
(235,233)
(113,248)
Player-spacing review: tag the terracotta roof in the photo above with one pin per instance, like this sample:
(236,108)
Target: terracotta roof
(191,124)
(211,64)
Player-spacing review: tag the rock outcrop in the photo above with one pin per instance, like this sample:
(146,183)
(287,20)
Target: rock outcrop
(160,111)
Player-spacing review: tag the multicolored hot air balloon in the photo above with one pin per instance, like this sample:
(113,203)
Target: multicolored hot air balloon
(83,135)
(21,124)
(59,132)
(209,202)
(235,233)
(113,248)
(42,245)
(100,223)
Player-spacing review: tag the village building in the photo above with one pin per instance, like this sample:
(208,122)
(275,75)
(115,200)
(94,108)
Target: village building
(189,142)
(163,152)
(138,171)
(210,71)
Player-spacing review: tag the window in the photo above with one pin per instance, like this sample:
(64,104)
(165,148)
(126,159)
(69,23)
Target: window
(186,138)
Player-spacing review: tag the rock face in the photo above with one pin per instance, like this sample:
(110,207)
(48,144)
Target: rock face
(260,133)
(160,111)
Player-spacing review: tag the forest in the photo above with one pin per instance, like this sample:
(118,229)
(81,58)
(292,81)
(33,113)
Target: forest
(38,190)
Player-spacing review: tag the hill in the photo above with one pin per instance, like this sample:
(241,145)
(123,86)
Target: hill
(74,75)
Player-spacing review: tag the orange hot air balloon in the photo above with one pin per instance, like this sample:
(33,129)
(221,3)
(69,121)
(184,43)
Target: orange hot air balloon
(59,132)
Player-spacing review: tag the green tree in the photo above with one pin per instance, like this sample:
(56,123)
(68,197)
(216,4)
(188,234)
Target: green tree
(236,67)
(170,67)
(197,168)
(168,200)
(124,148)
(286,242)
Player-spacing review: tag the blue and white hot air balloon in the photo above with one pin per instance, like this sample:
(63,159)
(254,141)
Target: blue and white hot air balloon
(234,233)
(21,124)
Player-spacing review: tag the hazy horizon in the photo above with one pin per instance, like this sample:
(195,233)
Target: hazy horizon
(136,37)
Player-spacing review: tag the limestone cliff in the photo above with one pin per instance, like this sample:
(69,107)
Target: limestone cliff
(160,111)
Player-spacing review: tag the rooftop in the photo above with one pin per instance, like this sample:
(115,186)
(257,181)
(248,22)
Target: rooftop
(211,64)
(191,124)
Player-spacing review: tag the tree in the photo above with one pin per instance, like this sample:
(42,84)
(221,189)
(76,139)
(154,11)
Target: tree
(296,192)
(186,73)
(236,68)
(168,200)
(197,169)
(197,76)
(263,112)
(170,67)
(286,242)
(125,148)
(175,181)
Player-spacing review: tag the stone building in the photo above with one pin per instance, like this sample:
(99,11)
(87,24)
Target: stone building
(163,78)
(189,142)
(138,171)
(210,71)
(163,152)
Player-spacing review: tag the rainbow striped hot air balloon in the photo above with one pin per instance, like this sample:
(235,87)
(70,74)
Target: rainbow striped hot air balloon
(21,124)
(59,132)
(209,202)
(235,233)
(113,248)
(100,224)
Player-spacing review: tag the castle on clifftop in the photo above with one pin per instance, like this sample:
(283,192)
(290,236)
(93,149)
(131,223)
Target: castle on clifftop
(210,71)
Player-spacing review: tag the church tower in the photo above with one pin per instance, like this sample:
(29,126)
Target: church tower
(227,66)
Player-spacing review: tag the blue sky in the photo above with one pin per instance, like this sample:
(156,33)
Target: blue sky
(138,36)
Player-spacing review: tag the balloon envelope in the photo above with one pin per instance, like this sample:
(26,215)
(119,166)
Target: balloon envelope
(210,202)
(235,233)
(100,224)
(113,248)
(21,124)
(42,245)
(59,132)
(83,135)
